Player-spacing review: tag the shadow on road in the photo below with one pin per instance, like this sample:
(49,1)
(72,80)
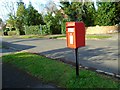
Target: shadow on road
(10,47)
(85,53)
(91,57)
(29,39)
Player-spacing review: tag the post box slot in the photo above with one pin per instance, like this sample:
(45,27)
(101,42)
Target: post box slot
(70,26)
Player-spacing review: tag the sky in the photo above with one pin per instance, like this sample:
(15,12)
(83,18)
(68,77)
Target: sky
(36,4)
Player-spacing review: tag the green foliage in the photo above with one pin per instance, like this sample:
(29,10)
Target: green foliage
(54,22)
(89,14)
(45,29)
(79,12)
(107,14)
(73,10)
(29,30)
(20,18)
(12,33)
(117,14)
(63,26)
(37,30)
(59,73)
(32,17)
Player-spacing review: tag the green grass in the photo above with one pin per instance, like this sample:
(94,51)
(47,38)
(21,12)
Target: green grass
(58,36)
(31,36)
(59,73)
(97,37)
(25,36)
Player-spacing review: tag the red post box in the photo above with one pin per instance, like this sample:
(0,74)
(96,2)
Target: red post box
(75,33)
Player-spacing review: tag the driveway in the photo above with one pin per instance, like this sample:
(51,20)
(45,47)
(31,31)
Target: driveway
(100,54)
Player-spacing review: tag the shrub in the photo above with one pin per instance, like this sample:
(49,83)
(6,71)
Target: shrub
(32,30)
(37,30)
(11,33)
(45,29)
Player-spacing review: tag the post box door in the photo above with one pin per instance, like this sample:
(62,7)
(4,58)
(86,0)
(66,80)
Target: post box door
(71,43)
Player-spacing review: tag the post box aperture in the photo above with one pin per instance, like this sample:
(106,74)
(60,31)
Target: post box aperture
(75,34)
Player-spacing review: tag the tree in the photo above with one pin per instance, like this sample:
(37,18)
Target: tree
(32,17)
(117,8)
(11,21)
(107,13)
(54,21)
(78,11)
(19,22)
(73,10)
(89,14)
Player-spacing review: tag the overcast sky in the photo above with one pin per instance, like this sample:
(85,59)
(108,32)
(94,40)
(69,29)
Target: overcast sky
(36,3)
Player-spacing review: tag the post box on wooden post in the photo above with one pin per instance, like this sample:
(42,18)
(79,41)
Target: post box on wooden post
(75,35)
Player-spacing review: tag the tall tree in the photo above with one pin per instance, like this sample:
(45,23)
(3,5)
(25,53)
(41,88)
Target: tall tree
(107,13)
(32,17)
(11,21)
(79,11)
(117,8)
(54,21)
(89,13)
(20,18)
(73,10)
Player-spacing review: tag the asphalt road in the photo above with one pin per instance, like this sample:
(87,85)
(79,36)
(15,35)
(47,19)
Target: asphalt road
(100,54)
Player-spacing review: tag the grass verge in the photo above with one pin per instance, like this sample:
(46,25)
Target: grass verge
(97,36)
(58,36)
(59,73)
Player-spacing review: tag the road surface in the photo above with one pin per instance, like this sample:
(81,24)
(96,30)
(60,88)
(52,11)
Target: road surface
(100,54)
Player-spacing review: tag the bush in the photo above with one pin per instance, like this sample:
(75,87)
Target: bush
(11,33)
(37,30)
(45,29)
(32,30)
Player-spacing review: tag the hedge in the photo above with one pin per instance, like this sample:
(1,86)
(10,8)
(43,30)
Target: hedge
(32,30)
(37,30)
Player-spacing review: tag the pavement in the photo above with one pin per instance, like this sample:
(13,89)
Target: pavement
(15,78)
